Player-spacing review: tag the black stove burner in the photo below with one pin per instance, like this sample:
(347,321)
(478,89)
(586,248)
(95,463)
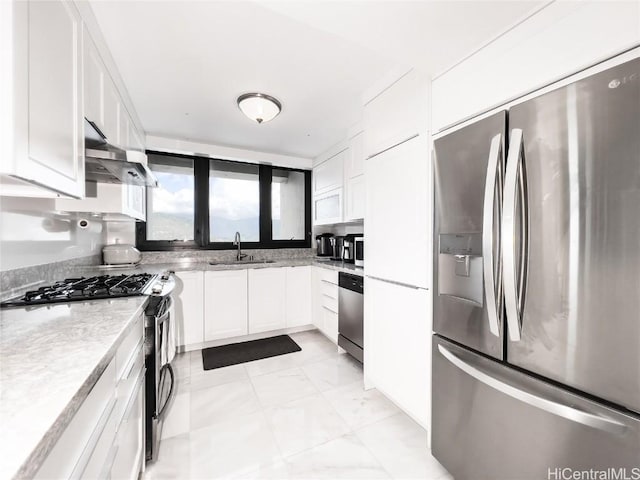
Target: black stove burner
(77,289)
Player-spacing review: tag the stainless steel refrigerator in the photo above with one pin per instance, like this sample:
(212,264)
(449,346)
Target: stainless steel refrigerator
(536,345)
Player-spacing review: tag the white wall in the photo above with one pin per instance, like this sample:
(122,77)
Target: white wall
(32,234)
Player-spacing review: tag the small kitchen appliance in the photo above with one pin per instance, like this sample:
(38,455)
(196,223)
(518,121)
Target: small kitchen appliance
(324,245)
(349,248)
(359,252)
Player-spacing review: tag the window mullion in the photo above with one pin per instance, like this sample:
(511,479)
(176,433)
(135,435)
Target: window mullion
(265,205)
(201,210)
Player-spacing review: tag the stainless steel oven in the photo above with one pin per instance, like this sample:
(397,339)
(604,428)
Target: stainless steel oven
(160,376)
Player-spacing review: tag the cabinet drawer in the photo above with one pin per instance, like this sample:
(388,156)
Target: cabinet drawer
(330,303)
(329,289)
(129,444)
(129,346)
(127,383)
(327,275)
(330,323)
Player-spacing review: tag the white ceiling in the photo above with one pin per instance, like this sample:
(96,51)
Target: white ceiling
(184,63)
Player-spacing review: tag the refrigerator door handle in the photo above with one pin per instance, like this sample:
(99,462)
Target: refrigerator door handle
(492,281)
(515,279)
(553,407)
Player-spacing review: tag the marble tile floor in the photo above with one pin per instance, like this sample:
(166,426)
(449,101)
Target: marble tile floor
(304,415)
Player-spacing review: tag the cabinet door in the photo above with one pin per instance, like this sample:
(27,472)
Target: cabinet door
(398,226)
(398,339)
(316,297)
(50,150)
(266,299)
(135,201)
(327,207)
(225,304)
(111,111)
(398,113)
(330,323)
(123,127)
(94,75)
(189,307)
(355,198)
(354,162)
(329,174)
(298,296)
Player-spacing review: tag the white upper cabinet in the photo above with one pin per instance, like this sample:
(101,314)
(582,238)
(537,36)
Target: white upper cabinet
(354,160)
(298,296)
(354,179)
(558,40)
(356,195)
(225,304)
(94,78)
(266,299)
(42,100)
(398,199)
(396,114)
(327,207)
(329,175)
(111,112)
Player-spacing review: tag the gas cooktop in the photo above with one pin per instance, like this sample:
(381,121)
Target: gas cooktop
(81,289)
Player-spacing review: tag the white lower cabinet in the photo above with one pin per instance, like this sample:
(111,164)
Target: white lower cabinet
(298,296)
(105,438)
(188,297)
(266,299)
(225,304)
(397,333)
(325,301)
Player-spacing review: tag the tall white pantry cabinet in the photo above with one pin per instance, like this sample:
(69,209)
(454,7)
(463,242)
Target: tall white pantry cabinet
(397,298)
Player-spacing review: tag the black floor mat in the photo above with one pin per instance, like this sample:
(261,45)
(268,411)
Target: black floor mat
(225,355)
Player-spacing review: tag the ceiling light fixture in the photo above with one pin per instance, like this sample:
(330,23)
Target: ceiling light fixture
(259,107)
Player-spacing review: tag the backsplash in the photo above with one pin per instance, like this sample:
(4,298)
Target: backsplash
(17,281)
(225,255)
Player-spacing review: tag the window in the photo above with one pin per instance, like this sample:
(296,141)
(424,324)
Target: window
(203,202)
(170,207)
(234,201)
(287,205)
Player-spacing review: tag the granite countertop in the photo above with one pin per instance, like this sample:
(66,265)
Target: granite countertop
(188,264)
(50,359)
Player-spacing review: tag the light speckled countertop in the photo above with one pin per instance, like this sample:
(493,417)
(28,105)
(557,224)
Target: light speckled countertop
(188,264)
(50,359)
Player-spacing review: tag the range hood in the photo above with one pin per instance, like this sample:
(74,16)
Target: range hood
(105,163)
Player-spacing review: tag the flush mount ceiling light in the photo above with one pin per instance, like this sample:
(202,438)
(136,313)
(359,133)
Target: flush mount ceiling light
(259,107)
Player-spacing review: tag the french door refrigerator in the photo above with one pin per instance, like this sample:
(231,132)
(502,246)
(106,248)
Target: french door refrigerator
(536,345)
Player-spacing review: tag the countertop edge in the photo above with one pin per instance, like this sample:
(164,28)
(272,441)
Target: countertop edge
(36,458)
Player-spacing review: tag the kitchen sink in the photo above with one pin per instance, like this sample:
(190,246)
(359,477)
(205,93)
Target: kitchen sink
(243,262)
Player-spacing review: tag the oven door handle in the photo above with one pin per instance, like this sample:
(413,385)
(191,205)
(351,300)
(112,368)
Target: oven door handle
(163,313)
(169,369)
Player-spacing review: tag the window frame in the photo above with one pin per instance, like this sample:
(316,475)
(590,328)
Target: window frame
(201,211)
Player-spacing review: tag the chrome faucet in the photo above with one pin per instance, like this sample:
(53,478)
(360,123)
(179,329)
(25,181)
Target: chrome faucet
(237,242)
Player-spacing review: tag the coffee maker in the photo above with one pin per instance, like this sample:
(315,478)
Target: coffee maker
(324,245)
(337,244)
(349,248)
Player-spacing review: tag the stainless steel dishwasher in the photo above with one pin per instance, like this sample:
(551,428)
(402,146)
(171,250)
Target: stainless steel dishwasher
(350,314)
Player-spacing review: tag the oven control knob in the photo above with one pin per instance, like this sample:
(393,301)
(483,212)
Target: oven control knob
(157,288)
